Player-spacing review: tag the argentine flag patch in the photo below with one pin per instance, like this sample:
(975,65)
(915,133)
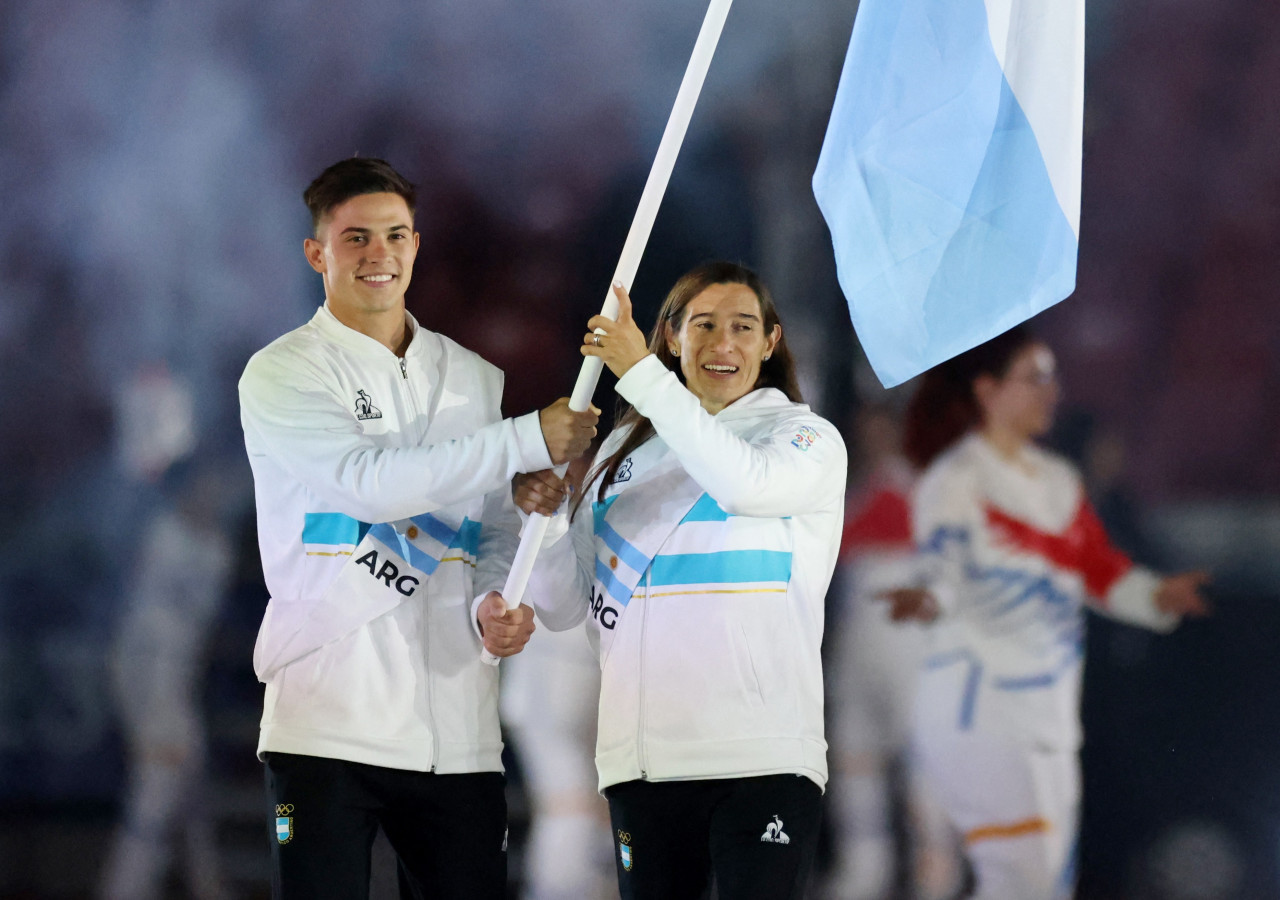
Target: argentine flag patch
(624,849)
(284,823)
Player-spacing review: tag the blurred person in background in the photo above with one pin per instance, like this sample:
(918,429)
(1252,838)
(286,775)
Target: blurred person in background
(156,659)
(549,694)
(873,665)
(1011,552)
(704,559)
(381,470)
(548,706)
(182,575)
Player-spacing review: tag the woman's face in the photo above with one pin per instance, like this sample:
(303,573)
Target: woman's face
(721,344)
(1024,400)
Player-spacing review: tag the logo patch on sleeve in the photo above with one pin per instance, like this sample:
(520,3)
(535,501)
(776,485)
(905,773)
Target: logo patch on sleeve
(804,438)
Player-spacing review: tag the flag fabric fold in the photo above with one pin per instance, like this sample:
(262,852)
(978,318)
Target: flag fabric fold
(950,172)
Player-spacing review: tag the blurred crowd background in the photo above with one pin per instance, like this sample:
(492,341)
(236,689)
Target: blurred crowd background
(152,157)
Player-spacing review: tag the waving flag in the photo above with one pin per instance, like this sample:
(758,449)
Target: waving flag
(950,172)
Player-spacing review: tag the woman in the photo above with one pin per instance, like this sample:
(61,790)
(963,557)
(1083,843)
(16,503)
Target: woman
(1013,552)
(703,558)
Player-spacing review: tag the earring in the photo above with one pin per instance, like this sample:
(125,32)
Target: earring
(675,353)
(766,357)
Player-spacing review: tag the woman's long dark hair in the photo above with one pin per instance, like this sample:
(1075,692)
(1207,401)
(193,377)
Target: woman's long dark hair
(778,371)
(944,407)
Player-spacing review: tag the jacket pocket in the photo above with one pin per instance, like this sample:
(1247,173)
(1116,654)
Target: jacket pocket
(720,667)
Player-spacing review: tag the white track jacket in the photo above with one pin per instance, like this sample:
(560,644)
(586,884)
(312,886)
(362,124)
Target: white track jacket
(704,570)
(383,514)
(1013,552)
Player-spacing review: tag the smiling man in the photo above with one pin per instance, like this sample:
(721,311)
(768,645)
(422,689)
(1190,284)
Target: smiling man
(381,468)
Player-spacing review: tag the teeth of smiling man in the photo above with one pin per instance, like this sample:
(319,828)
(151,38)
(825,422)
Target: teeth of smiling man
(376,278)
(712,368)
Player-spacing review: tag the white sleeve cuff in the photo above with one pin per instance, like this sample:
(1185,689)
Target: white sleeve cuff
(475,615)
(534,455)
(641,379)
(1132,600)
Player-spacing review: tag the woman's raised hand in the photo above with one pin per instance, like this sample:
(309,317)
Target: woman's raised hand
(619,343)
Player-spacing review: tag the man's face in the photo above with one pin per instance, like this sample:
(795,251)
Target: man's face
(364,250)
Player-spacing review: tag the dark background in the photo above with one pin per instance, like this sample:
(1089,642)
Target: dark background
(152,156)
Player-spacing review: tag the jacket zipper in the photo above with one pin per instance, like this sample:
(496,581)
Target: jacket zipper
(426,662)
(644,619)
(426,630)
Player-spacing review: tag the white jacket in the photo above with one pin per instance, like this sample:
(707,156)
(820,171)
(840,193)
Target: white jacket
(1014,552)
(383,513)
(704,571)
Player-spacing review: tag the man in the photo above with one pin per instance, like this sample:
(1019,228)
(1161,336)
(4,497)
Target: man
(381,469)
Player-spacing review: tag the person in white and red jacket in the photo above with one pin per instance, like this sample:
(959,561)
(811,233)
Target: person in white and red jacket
(381,465)
(703,557)
(873,666)
(1012,552)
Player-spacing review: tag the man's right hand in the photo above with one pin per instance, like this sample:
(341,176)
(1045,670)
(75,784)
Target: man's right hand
(567,433)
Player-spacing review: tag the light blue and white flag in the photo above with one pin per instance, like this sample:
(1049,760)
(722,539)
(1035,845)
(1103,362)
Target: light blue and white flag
(950,173)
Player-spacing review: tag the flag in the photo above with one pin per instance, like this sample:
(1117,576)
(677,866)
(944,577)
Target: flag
(950,172)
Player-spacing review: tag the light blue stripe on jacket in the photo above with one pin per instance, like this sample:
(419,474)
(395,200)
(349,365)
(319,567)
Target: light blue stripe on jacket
(972,681)
(705,510)
(469,537)
(332,528)
(723,567)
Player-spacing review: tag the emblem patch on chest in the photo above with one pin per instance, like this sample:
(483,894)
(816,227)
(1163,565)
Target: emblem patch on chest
(365,408)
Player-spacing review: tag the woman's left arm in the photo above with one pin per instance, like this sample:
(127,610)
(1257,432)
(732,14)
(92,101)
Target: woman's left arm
(798,466)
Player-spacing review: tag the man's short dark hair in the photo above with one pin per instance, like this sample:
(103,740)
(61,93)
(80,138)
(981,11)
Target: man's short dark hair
(350,178)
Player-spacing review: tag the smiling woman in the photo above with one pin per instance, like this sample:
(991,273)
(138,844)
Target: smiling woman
(704,563)
(724,342)
(718,331)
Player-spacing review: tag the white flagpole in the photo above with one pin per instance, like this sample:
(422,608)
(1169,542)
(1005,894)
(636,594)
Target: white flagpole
(632,251)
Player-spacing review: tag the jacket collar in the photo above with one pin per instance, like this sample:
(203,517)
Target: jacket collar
(760,402)
(328,325)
